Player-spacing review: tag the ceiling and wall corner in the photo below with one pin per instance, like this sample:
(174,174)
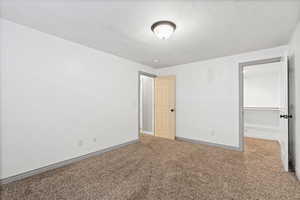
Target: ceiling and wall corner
(205,29)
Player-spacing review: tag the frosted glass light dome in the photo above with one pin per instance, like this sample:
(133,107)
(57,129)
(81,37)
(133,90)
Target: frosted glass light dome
(163,29)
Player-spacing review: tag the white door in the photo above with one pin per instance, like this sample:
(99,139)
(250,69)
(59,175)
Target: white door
(284,114)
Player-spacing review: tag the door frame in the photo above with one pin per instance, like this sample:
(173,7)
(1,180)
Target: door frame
(242,65)
(142,73)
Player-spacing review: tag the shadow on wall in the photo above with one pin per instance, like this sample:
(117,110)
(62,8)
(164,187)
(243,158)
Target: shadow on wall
(292,111)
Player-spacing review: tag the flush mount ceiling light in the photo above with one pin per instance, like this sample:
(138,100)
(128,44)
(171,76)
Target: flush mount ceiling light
(163,29)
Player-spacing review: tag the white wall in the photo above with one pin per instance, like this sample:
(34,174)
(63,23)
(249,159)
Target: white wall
(147,104)
(55,93)
(294,63)
(207,96)
(262,85)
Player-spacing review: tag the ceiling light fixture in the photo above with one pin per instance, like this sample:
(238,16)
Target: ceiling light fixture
(163,29)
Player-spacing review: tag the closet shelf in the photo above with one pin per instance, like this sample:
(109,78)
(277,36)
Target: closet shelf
(262,108)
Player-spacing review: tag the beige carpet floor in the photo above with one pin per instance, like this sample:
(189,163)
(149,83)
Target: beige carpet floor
(160,169)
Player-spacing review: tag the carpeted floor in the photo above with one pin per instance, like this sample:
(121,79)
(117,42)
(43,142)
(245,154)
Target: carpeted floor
(163,169)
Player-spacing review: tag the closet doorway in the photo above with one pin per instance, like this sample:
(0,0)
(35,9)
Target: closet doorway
(264,113)
(146,104)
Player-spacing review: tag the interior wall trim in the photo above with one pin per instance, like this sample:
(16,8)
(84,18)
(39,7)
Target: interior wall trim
(209,143)
(62,163)
(147,132)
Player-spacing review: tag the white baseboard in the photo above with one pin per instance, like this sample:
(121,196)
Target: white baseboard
(283,155)
(262,132)
(208,143)
(298,174)
(148,132)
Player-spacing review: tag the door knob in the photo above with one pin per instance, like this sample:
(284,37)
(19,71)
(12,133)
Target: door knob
(172,110)
(286,116)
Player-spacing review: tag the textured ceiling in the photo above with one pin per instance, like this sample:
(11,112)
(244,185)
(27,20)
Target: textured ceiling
(205,29)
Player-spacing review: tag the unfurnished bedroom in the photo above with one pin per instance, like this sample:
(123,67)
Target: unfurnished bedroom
(149,100)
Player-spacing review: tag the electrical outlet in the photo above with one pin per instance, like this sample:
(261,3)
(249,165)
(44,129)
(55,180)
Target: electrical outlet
(95,139)
(80,143)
